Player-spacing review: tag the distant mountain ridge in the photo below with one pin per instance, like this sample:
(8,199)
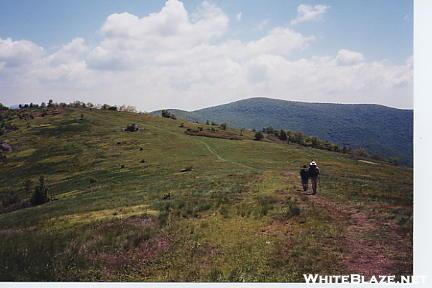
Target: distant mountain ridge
(381,130)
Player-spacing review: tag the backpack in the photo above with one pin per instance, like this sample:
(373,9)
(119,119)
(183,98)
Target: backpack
(313,171)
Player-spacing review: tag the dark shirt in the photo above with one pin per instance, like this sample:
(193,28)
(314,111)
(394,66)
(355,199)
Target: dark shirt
(304,174)
(314,172)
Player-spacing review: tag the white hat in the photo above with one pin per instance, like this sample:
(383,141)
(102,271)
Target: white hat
(313,163)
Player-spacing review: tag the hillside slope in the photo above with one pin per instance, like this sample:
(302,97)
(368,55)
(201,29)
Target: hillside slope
(381,130)
(161,205)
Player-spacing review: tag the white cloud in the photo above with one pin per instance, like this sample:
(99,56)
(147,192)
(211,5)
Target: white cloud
(307,13)
(18,53)
(131,41)
(280,41)
(174,58)
(345,56)
(239,16)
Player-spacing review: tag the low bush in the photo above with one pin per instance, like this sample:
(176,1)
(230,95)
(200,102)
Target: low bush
(40,195)
(290,211)
(259,136)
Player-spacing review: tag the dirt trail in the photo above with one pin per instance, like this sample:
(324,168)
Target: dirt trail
(212,151)
(371,247)
(223,159)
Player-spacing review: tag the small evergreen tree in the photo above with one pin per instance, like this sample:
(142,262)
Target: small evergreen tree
(259,136)
(315,142)
(282,135)
(268,130)
(299,138)
(223,126)
(40,194)
(166,114)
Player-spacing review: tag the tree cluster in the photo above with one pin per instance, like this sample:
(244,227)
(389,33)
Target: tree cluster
(314,142)
(167,114)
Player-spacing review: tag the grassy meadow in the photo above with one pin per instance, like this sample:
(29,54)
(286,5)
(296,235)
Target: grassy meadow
(123,209)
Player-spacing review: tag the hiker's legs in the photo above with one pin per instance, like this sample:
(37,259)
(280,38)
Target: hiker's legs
(305,186)
(314,181)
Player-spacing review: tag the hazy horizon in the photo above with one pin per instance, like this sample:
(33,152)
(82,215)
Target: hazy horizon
(221,104)
(197,54)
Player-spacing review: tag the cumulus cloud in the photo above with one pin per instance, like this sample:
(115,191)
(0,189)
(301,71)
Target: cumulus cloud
(131,41)
(345,56)
(307,13)
(18,53)
(180,59)
(281,41)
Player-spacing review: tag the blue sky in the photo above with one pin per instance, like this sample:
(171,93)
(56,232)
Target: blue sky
(381,31)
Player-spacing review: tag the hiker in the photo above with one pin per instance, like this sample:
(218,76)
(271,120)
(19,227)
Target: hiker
(314,176)
(304,174)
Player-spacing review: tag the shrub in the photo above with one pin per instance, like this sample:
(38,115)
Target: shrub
(346,149)
(259,136)
(266,203)
(2,107)
(215,275)
(163,218)
(224,211)
(268,130)
(283,135)
(186,169)
(291,211)
(167,114)
(133,127)
(223,126)
(40,195)
(360,153)
(394,160)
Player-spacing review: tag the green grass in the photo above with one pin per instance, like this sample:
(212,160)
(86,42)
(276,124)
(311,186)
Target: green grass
(238,215)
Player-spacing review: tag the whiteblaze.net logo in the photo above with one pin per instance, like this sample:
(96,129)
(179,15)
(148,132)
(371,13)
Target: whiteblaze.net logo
(357,278)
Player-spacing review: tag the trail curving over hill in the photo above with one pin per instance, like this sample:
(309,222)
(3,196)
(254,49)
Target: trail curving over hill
(220,158)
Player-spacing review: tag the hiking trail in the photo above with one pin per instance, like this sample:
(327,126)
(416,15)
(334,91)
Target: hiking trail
(212,151)
(366,252)
(220,158)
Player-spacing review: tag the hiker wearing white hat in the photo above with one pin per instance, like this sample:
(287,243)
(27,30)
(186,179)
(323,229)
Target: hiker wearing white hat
(314,175)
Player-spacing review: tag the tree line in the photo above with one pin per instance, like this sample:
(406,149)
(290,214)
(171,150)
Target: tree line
(78,104)
(300,138)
